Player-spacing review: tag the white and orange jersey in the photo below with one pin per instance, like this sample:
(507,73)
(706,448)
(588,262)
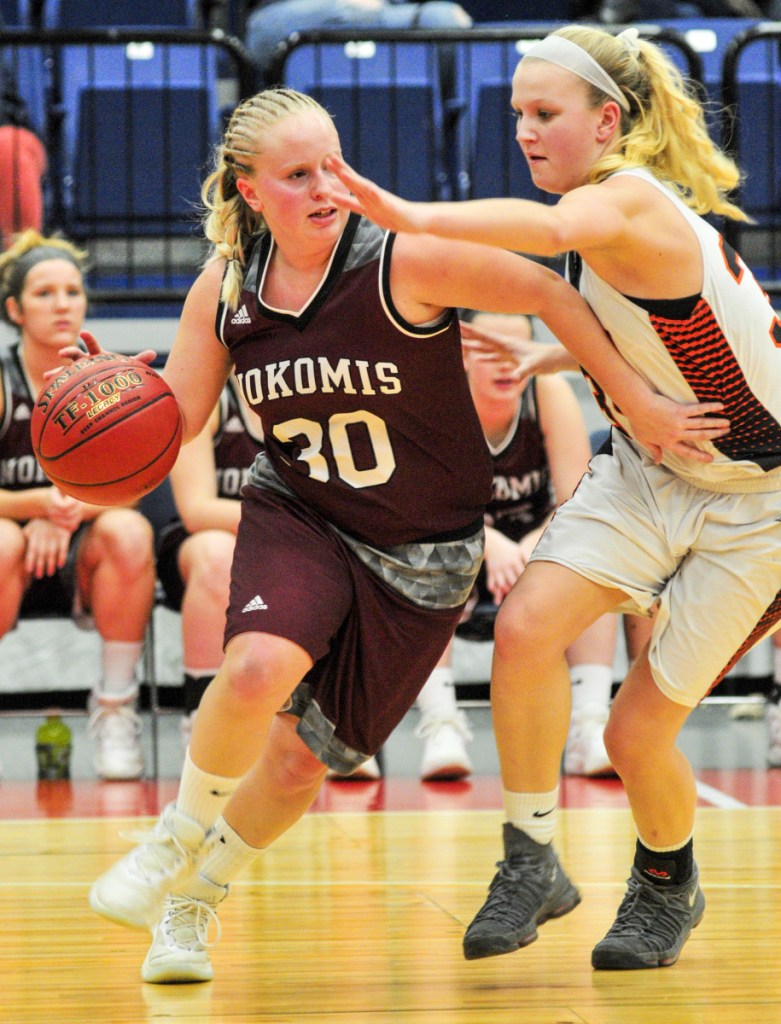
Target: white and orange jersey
(725,347)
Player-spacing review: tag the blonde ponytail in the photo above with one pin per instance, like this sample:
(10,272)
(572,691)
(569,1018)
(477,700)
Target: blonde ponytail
(664,129)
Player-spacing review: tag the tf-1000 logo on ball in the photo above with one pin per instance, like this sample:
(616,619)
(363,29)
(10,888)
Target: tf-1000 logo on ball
(106,429)
(95,398)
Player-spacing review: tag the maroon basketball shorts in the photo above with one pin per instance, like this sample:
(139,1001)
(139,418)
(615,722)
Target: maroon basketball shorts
(373,649)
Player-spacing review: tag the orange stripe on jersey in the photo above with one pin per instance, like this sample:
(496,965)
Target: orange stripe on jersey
(705,359)
(768,620)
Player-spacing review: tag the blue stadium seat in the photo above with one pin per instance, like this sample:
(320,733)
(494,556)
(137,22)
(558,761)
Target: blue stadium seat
(140,181)
(709,37)
(28,65)
(752,86)
(139,124)
(492,162)
(386,102)
(121,13)
(15,13)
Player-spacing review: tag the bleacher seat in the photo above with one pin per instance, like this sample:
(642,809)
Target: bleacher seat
(758,129)
(15,13)
(139,124)
(752,84)
(709,38)
(121,13)
(28,65)
(492,162)
(159,139)
(386,102)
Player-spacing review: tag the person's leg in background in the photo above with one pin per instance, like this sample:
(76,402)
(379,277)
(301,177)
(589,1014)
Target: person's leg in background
(116,584)
(590,659)
(443,726)
(774,707)
(204,562)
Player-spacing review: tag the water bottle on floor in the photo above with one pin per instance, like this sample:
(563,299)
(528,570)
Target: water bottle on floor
(53,748)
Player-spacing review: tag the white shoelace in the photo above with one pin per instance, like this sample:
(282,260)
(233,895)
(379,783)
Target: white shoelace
(120,723)
(157,851)
(187,921)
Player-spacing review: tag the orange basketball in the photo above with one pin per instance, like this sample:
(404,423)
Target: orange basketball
(106,429)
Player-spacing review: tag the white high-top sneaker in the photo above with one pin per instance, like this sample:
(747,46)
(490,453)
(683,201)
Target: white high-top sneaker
(585,752)
(774,736)
(444,754)
(115,728)
(180,943)
(133,890)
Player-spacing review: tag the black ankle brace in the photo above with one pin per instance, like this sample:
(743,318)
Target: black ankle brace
(672,867)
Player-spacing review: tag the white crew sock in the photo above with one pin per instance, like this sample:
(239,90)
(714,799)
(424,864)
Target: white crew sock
(532,813)
(229,856)
(202,796)
(120,658)
(437,699)
(591,685)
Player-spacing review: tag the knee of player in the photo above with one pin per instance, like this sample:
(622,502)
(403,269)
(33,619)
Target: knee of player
(12,545)
(626,745)
(127,539)
(210,562)
(297,768)
(519,627)
(255,674)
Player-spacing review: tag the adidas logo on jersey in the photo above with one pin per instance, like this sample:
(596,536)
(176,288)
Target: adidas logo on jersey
(257,604)
(233,426)
(22,412)
(242,317)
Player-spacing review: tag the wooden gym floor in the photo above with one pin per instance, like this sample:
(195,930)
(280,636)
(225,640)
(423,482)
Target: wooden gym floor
(356,915)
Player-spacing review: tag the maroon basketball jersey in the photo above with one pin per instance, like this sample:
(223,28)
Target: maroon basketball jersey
(522,497)
(367,418)
(236,443)
(19,469)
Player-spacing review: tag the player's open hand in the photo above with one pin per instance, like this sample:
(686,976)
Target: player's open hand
(92,347)
(46,548)
(379,205)
(528,357)
(680,428)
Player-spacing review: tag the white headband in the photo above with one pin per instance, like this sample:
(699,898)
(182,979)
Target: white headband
(566,54)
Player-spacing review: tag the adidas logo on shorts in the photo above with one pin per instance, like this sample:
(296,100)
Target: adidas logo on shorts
(257,604)
(242,317)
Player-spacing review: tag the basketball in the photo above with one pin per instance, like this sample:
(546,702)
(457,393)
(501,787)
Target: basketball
(106,429)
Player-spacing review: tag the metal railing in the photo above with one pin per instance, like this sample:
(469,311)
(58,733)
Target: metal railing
(129,192)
